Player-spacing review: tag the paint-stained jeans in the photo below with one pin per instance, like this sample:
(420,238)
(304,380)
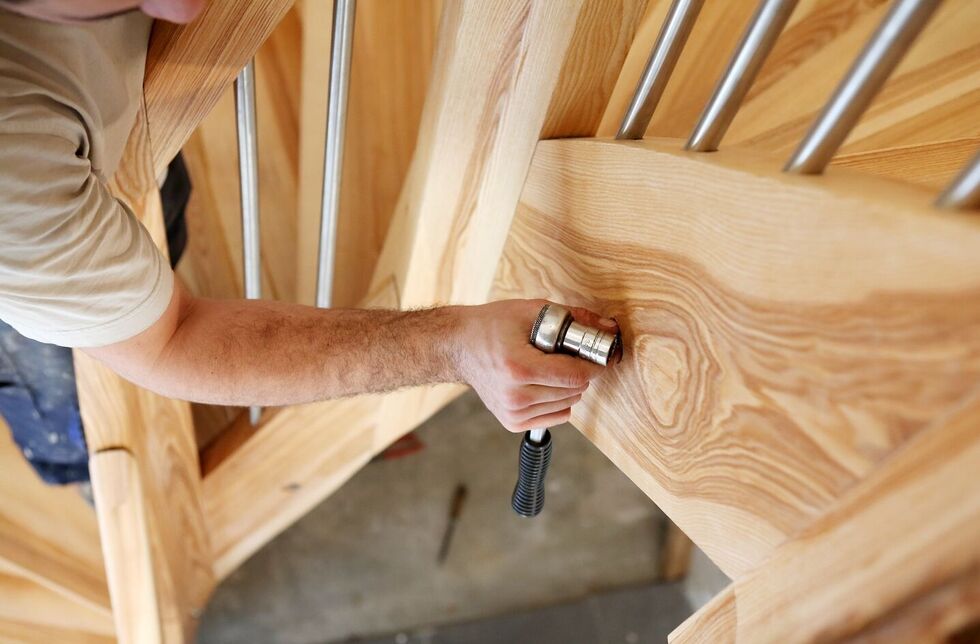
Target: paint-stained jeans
(38,396)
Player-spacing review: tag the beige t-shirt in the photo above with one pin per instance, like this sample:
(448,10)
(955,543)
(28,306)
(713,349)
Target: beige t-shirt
(76,267)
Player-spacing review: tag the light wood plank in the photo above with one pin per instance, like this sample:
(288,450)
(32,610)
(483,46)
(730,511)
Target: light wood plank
(126,534)
(15,632)
(189,67)
(783,334)
(26,601)
(49,535)
(930,165)
(299,457)
(897,556)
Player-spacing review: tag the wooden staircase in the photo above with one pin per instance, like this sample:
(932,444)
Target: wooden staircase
(801,388)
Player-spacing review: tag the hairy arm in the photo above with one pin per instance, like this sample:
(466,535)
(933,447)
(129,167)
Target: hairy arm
(241,352)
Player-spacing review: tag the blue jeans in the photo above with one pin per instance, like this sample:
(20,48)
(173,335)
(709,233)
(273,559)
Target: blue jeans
(38,396)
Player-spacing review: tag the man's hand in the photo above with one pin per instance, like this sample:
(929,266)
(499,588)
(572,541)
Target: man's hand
(523,387)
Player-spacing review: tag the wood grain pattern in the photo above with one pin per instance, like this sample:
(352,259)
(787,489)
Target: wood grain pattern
(212,265)
(785,333)
(392,56)
(14,632)
(498,65)
(26,601)
(930,165)
(301,455)
(48,535)
(908,531)
(126,535)
(159,433)
(189,67)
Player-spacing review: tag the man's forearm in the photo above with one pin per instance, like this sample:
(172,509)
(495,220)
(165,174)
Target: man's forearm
(239,352)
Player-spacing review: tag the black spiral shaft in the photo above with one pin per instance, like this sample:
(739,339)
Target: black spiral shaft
(528,498)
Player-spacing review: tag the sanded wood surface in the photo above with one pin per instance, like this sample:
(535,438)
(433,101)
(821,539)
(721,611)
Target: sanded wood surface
(911,529)
(783,334)
(124,523)
(301,455)
(931,100)
(15,632)
(189,67)
(48,535)
(26,601)
(497,68)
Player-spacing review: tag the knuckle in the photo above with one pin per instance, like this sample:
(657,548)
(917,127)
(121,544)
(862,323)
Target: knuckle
(516,370)
(515,399)
(577,379)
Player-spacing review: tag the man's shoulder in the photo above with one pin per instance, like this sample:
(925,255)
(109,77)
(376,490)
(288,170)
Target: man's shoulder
(82,81)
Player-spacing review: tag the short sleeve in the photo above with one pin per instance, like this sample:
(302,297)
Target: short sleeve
(77,268)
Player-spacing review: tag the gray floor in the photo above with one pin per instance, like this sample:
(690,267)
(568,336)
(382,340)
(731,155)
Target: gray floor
(363,564)
(631,616)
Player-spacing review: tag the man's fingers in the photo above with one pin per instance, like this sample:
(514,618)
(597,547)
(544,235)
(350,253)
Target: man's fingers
(546,420)
(545,408)
(530,395)
(558,370)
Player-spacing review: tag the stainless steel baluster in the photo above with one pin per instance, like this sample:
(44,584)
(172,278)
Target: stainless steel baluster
(248,168)
(333,149)
(760,36)
(964,191)
(873,66)
(666,51)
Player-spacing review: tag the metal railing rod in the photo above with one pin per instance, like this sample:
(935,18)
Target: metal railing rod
(663,58)
(248,168)
(964,191)
(882,53)
(333,148)
(758,40)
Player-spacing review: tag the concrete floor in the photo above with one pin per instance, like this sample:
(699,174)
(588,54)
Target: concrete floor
(364,563)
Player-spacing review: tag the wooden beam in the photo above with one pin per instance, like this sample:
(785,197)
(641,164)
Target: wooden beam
(298,458)
(504,60)
(189,67)
(783,334)
(48,535)
(126,536)
(896,557)
(17,632)
(930,165)
(158,432)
